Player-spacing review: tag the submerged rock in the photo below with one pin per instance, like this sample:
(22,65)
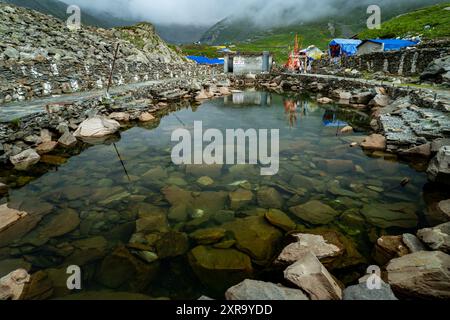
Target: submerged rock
(437,238)
(121,270)
(219,269)
(315,244)
(256,237)
(375,142)
(24,160)
(97,127)
(311,276)
(385,216)
(422,274)
(269,198)
(172,244)
(315,212)
(263,291)
(240,198)
(3,189)
(208,236)
(280,219)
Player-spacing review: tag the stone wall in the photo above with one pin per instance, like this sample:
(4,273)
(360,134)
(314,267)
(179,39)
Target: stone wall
(40,79)
(408,62)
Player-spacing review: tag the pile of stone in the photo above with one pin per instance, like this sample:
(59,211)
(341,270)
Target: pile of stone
(414,267)
(40,56)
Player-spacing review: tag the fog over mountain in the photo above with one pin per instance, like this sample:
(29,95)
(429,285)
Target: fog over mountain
(207,12)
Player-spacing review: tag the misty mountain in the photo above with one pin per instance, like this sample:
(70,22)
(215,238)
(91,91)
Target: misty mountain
(177,34)
(331,22)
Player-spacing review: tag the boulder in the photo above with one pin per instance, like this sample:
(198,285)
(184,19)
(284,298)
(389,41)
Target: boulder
(375,142)
(315,212)
(219,269)
(380,100)
(120,116)
(8,217)
(424,274)
(13,284)
(24,160)
(437,238)
(269,198)
(146,117)
(388,248)
(315,244)
(443,207)
(256,237)
(97,127)
(439,168)
(312,277)
(413,243)
(361,292)
(67,140)
(280,219)
(422,151)
(46,147)
(263,291)
(402,215)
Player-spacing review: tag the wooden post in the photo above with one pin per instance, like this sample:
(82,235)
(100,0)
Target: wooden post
(112,69)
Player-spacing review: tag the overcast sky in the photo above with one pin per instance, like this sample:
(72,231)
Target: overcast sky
(208,12)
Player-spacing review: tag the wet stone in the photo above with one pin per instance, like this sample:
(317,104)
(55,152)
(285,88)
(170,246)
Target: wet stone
(315,212)
(269,198)
(280,220)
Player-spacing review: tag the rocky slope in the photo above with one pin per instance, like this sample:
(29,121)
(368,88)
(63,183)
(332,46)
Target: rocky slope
(40,56)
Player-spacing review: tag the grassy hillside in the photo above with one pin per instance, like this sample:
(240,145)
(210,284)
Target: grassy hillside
(431,22)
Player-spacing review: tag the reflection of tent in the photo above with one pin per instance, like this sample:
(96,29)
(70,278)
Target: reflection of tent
(205,60)
(343,47)
(330,120)
(313,53)
(379,45)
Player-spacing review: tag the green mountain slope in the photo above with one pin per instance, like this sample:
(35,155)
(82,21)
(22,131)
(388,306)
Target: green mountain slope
(430,23)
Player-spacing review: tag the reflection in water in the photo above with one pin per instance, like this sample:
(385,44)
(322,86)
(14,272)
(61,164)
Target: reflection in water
(255,98)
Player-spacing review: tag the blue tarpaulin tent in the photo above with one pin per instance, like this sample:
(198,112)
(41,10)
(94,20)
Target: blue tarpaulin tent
(205,60)
(392,44)
(339,47)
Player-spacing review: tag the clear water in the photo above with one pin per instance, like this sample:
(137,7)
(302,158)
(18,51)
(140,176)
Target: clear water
(107,195)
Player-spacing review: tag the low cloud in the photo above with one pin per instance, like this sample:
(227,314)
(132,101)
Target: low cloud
(208,12)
